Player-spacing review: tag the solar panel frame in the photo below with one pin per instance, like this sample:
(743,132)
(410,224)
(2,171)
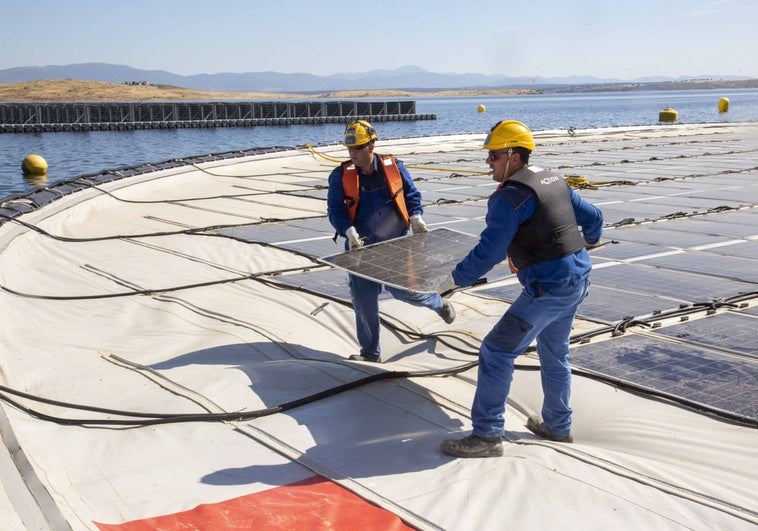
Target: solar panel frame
(682,285)
(732,330)
(417,262)
(694,373)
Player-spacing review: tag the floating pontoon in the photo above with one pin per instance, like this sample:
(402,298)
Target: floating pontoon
(174,356)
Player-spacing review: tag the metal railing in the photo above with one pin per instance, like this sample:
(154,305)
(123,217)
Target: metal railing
(92,116)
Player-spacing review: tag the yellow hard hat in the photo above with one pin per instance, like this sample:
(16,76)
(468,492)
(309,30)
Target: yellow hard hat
(359,133)
(509,134)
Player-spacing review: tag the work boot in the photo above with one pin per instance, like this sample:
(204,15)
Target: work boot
(447,312)
(361,357)
(537,427)
(473,446)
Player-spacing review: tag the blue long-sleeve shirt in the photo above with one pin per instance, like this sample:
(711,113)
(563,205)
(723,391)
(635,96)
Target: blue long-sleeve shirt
(377,218)
(507,209)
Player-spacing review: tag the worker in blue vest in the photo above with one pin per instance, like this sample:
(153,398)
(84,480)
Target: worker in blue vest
(372,199)
(533,219)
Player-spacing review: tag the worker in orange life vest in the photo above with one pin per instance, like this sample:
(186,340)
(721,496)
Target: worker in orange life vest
(371,199)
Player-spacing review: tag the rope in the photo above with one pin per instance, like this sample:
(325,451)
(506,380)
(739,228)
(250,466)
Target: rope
(314,151)
(583,182)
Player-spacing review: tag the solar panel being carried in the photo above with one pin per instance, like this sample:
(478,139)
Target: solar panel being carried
(417,262)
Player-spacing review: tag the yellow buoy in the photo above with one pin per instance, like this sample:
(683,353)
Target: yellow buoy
(34,165)
(668,115)
(723,104)
(481,108)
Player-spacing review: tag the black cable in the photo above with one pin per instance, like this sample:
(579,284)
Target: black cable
(162,418)
(157,418)
(616,329)
(156,291)
(69,405)
(200,231)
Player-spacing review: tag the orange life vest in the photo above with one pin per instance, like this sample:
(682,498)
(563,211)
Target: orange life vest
(351,186)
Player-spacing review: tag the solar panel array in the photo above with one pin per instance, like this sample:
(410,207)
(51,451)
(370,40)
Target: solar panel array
(681,229)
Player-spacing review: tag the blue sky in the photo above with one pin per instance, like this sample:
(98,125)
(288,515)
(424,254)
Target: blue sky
(608,38)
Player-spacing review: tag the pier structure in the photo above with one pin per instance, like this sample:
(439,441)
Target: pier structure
(39,117)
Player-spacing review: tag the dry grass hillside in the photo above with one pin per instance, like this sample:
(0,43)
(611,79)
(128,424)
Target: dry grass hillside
(76,90)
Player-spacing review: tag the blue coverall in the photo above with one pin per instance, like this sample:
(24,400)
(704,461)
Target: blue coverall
(545,310)
(376,220)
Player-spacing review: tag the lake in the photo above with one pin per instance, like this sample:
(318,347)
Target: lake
(70,154)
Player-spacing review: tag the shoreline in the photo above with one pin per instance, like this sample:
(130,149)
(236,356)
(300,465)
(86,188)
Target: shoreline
(84,91)
(99,91)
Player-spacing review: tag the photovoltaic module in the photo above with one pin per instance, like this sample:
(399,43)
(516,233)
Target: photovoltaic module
(418,262)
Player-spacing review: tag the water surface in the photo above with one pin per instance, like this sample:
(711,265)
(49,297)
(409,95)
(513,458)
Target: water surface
(70,154)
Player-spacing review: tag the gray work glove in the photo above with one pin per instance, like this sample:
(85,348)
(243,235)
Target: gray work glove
(447,285)
(417,224)
(354,241)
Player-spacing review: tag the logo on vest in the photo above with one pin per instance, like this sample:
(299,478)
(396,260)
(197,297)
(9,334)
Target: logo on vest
(549,180)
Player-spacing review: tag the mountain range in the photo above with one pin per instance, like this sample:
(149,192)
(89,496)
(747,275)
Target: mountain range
(404,78)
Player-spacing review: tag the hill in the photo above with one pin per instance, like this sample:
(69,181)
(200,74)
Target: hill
(408,78)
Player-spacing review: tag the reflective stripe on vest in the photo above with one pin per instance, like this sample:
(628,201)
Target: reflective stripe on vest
(351,186)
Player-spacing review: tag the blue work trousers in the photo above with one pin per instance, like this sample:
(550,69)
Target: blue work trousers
(365,294)
(547,316)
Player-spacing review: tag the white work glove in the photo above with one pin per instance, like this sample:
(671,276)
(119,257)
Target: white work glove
(447,285)
(354,241)
(417,224)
